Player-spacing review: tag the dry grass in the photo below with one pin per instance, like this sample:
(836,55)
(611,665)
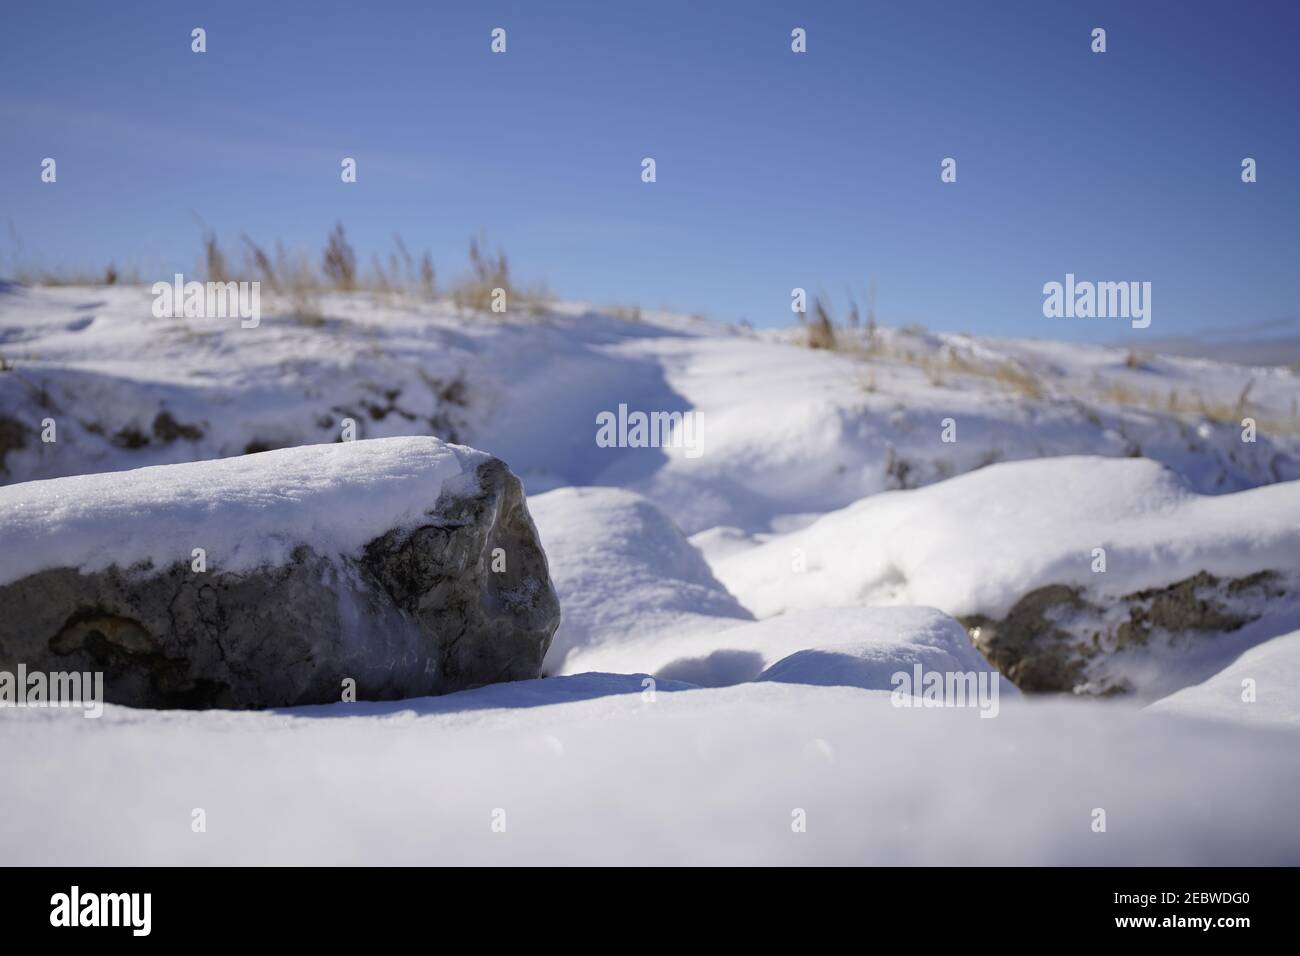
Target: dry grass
(399,275)
(630,313)
(933,367)
(1018,378)
(22,272)
(1117,394)
(820,329)
(1221,412)
(489,277)
(340,261)
(1011,374)
(111,275)
(940,366)
(289,276)
(489,282)
(214,260)
(1197,406)
(300,281)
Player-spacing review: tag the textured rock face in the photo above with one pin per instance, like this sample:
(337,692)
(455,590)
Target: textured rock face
(1061,639)
(419,611)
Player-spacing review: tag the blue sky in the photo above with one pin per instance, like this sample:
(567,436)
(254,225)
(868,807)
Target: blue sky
(775,170)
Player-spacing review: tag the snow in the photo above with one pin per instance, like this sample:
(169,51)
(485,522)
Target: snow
(244,512)
(874,665)
(638,598)
(731,623)
(1270,699)
(979,542)
(893,638)
(690,776)
(602,542)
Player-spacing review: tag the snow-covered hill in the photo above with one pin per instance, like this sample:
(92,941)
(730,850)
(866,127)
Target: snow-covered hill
(787,431)
(914,500)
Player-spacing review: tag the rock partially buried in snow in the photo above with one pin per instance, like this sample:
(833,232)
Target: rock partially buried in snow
(407,565)
(1077,575)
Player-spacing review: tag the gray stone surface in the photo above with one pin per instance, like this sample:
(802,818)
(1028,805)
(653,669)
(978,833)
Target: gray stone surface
(416,613)
(1062,639)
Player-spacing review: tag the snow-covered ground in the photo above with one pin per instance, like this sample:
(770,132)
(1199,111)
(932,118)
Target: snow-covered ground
(692,776)
(732,622)
(1269,673)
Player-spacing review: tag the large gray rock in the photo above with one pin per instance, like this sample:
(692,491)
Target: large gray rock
(417,609)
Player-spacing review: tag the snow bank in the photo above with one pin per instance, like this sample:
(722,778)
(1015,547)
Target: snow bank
(623,571)
(244,512)
(638,598)
(979,542)
(875,665)
(693,776)
(894,638)
(1261,688)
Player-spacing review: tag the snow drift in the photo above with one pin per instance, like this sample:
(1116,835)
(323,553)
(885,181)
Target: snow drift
(977,543)
(624,572)
(1261,688)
